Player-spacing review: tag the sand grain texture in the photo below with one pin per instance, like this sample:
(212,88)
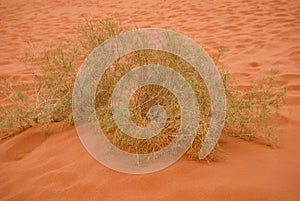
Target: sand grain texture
(261,35)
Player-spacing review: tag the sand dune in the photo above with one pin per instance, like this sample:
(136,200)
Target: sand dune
(261,35)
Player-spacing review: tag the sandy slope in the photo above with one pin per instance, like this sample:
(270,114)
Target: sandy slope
(260,34)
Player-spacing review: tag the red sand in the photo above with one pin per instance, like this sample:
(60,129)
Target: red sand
(261,34)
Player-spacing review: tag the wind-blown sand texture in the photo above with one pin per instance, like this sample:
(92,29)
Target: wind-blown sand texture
(261,35)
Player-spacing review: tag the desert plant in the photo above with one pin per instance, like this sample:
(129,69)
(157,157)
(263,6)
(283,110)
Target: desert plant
(249,113)
(54,69)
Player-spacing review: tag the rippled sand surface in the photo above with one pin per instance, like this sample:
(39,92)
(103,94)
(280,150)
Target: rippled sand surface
(260,34)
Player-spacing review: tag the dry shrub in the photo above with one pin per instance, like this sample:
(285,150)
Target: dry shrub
(249,113)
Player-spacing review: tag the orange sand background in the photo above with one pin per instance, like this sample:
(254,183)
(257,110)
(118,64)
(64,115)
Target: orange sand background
(261,35)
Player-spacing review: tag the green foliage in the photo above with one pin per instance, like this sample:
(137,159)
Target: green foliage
(250,114)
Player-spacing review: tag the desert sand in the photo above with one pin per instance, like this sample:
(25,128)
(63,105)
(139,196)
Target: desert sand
(260,34)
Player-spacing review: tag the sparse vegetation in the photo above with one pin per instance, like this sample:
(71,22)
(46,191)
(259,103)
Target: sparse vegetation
(250,113)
